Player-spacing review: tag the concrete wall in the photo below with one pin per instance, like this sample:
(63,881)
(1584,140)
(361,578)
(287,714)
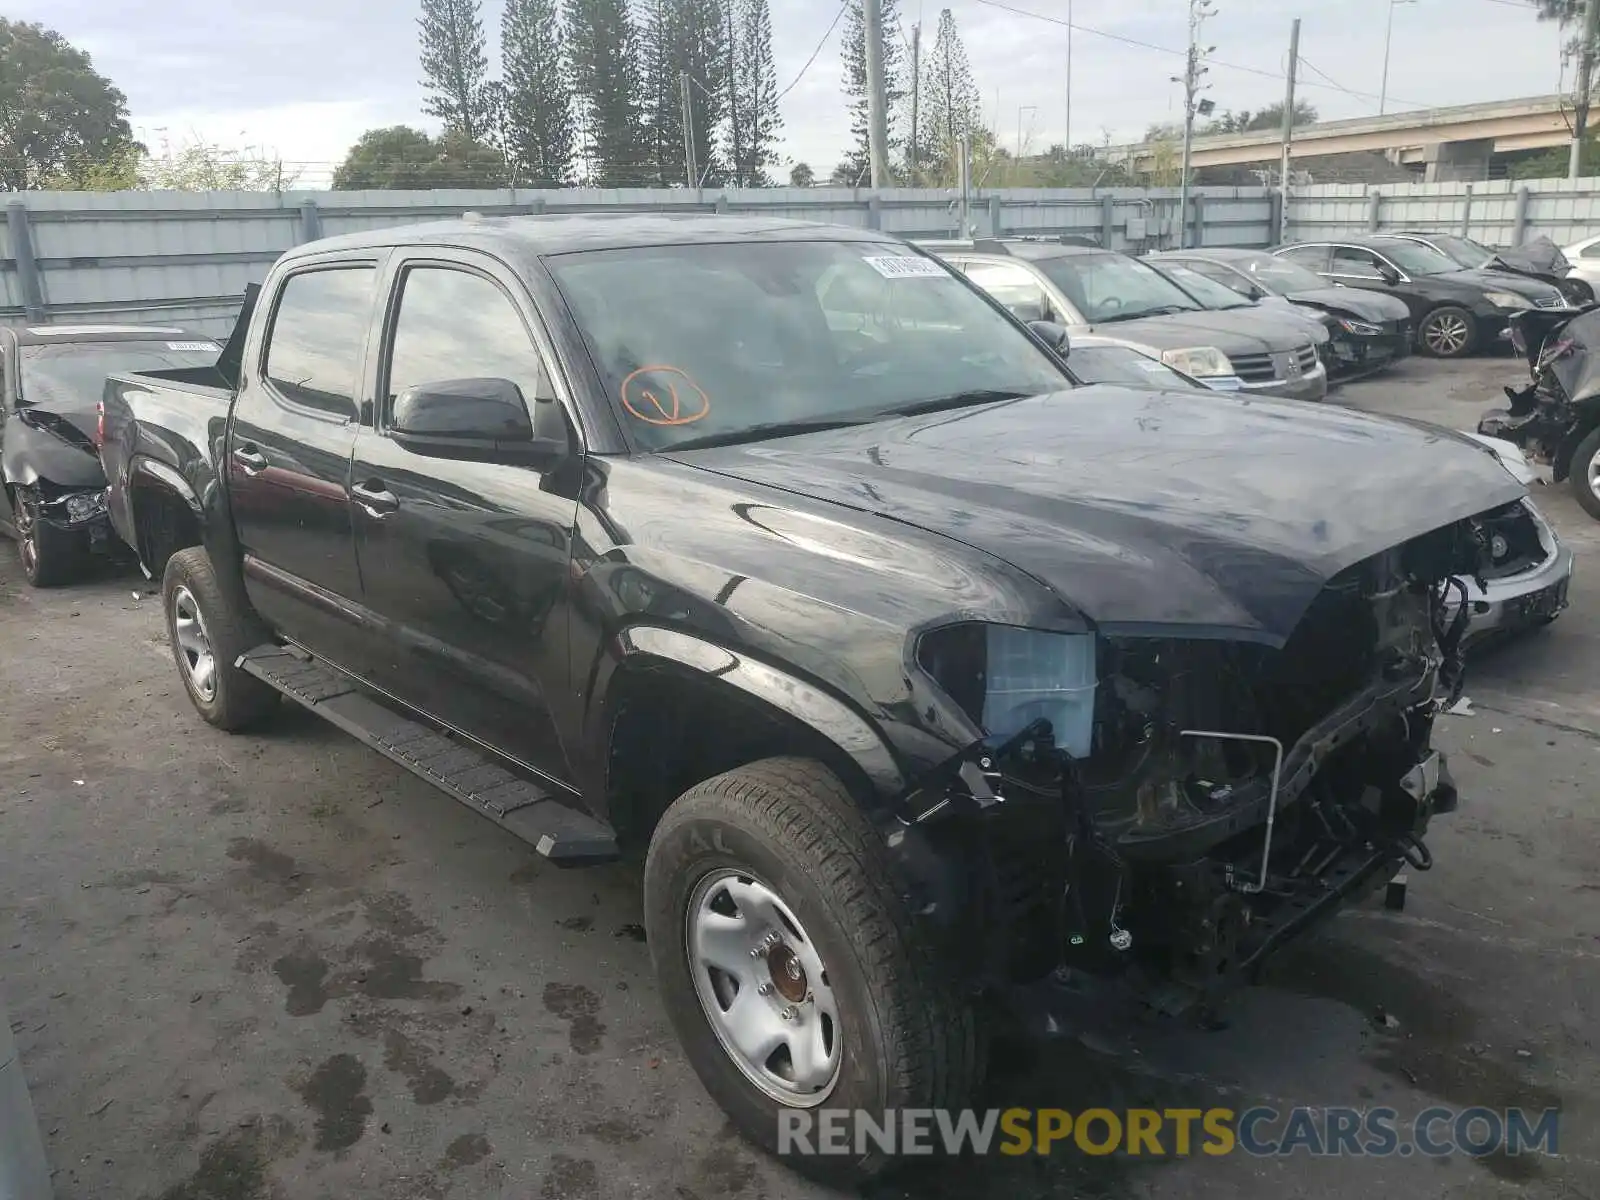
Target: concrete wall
(184,258)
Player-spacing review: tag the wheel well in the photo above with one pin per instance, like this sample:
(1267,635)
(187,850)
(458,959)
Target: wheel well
(671,728)
(163,523)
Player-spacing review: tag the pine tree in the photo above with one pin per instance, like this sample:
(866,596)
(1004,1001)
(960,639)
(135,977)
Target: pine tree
(538,127)
(604,54)
(951,107)
(754,95)
(453,64)
(685,37)
(856,163)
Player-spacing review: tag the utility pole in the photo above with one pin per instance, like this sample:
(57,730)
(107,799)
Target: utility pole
(1288,132)
(691,168)
(1388,38)
(877,103)
(1199,10)
(1067,138)
(966,183)
(1580,102)
(916,87)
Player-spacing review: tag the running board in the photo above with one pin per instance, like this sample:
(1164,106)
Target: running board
(565,836)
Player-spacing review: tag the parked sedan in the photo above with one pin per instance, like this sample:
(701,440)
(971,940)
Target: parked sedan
(1218,297)
(1368,330)
(1454,311)
(1089,290)
(54,496)
(1539,259)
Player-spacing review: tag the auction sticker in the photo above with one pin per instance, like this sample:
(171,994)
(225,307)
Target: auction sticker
(904,266)
(193,346)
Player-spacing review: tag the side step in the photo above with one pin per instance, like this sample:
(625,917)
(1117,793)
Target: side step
(565,836)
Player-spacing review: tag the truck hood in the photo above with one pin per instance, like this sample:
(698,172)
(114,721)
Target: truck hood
(1234,333)
(1190,514)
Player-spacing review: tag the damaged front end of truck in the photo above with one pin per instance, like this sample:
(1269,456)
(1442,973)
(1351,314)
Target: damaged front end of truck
(1195,800)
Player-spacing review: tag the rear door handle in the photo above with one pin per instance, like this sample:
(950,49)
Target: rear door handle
(251,461)
(375,498)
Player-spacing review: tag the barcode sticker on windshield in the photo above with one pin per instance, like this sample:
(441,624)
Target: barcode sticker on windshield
(192,346)
(903,266)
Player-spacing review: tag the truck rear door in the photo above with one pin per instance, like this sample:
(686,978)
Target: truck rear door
(288,452)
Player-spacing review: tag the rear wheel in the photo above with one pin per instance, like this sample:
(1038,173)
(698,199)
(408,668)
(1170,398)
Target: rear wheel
(1448,332)
(790,966)
(50,556)
(1584,472)
(207,637)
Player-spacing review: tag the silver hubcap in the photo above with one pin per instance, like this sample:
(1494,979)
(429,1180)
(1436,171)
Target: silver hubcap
(1446,334)
(27,524)
(1594,474)
(764,988)
(194,644)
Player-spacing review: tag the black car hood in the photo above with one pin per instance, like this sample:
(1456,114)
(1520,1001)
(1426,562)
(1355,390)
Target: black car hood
(1355,302)
(1540,256)
(1148,512)
(1234,332)
(53,441)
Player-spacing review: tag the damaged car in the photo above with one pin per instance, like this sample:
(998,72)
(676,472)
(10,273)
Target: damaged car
(920,674)
(51,376)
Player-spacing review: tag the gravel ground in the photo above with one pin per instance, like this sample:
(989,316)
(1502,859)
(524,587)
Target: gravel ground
(276,966)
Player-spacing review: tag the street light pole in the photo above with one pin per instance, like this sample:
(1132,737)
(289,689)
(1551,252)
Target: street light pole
(1388,40)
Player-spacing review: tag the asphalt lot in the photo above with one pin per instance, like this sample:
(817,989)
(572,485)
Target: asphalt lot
(275,966)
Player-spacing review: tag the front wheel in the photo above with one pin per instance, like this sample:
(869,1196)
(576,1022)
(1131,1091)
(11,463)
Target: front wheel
(207,637)
(1448,332)
(50,556)
(1584,472)
(791,968)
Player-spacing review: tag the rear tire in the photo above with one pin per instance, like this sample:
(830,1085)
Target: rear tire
(207,636)
(1448,332)
(903,1037)
(1584,473)
(50,556)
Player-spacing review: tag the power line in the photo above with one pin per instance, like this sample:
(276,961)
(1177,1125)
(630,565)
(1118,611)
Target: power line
(1117,37)
(814,53)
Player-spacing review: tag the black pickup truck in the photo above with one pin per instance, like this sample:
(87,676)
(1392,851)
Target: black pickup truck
(919,672)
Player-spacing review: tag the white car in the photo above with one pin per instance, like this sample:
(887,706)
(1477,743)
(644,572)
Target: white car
(1585,259)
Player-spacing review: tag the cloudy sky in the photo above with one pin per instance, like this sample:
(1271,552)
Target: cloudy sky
(304,78)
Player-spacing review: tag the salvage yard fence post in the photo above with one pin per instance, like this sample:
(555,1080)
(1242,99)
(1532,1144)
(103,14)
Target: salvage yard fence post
(310,221)
(27,267)
(1520,221)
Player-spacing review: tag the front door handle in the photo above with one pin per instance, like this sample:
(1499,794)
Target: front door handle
(251,461)
(375,498)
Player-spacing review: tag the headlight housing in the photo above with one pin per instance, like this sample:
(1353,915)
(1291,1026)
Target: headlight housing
(1199,361)
(82,506)
(1360,328)
(1507,300)
(1005,677)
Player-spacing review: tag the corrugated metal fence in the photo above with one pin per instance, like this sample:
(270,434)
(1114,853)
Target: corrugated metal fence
(184,257)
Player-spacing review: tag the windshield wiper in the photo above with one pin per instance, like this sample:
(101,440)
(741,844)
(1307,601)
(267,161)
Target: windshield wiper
(957,400)
(768,429)
(1161,310)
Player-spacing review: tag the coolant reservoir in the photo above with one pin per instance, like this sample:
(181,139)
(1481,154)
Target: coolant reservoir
(1033,674)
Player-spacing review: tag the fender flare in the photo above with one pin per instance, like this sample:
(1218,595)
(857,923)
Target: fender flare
(168,478)
(811,705)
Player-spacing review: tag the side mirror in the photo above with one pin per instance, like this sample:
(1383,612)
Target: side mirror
(1388,274)
(1053,335)
(482,420)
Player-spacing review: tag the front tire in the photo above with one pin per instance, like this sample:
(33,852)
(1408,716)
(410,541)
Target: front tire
(1448,332)
(1584,473)
(50,556)
(790,965)
(207,636)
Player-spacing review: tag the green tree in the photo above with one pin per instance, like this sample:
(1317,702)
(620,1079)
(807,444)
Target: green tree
(400,157)
(684,37)
(198,166)
(454,67)
(854,55)
(950,105)
(754,95)
(801,175)
(606,78)
(537,131)
(1270,117)
(60,119)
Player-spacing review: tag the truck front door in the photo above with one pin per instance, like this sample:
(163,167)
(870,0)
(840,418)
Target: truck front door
(288,452)
(464,562)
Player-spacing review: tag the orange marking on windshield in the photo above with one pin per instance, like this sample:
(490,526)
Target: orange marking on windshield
(664,395)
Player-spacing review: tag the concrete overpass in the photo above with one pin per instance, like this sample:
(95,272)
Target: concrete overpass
(1447,143)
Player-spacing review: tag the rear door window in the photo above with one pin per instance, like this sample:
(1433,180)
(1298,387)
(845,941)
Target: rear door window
(314,348)
(1313,258)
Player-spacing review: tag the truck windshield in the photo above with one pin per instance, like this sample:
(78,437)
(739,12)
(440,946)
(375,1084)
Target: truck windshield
(75,372)
(733,342)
